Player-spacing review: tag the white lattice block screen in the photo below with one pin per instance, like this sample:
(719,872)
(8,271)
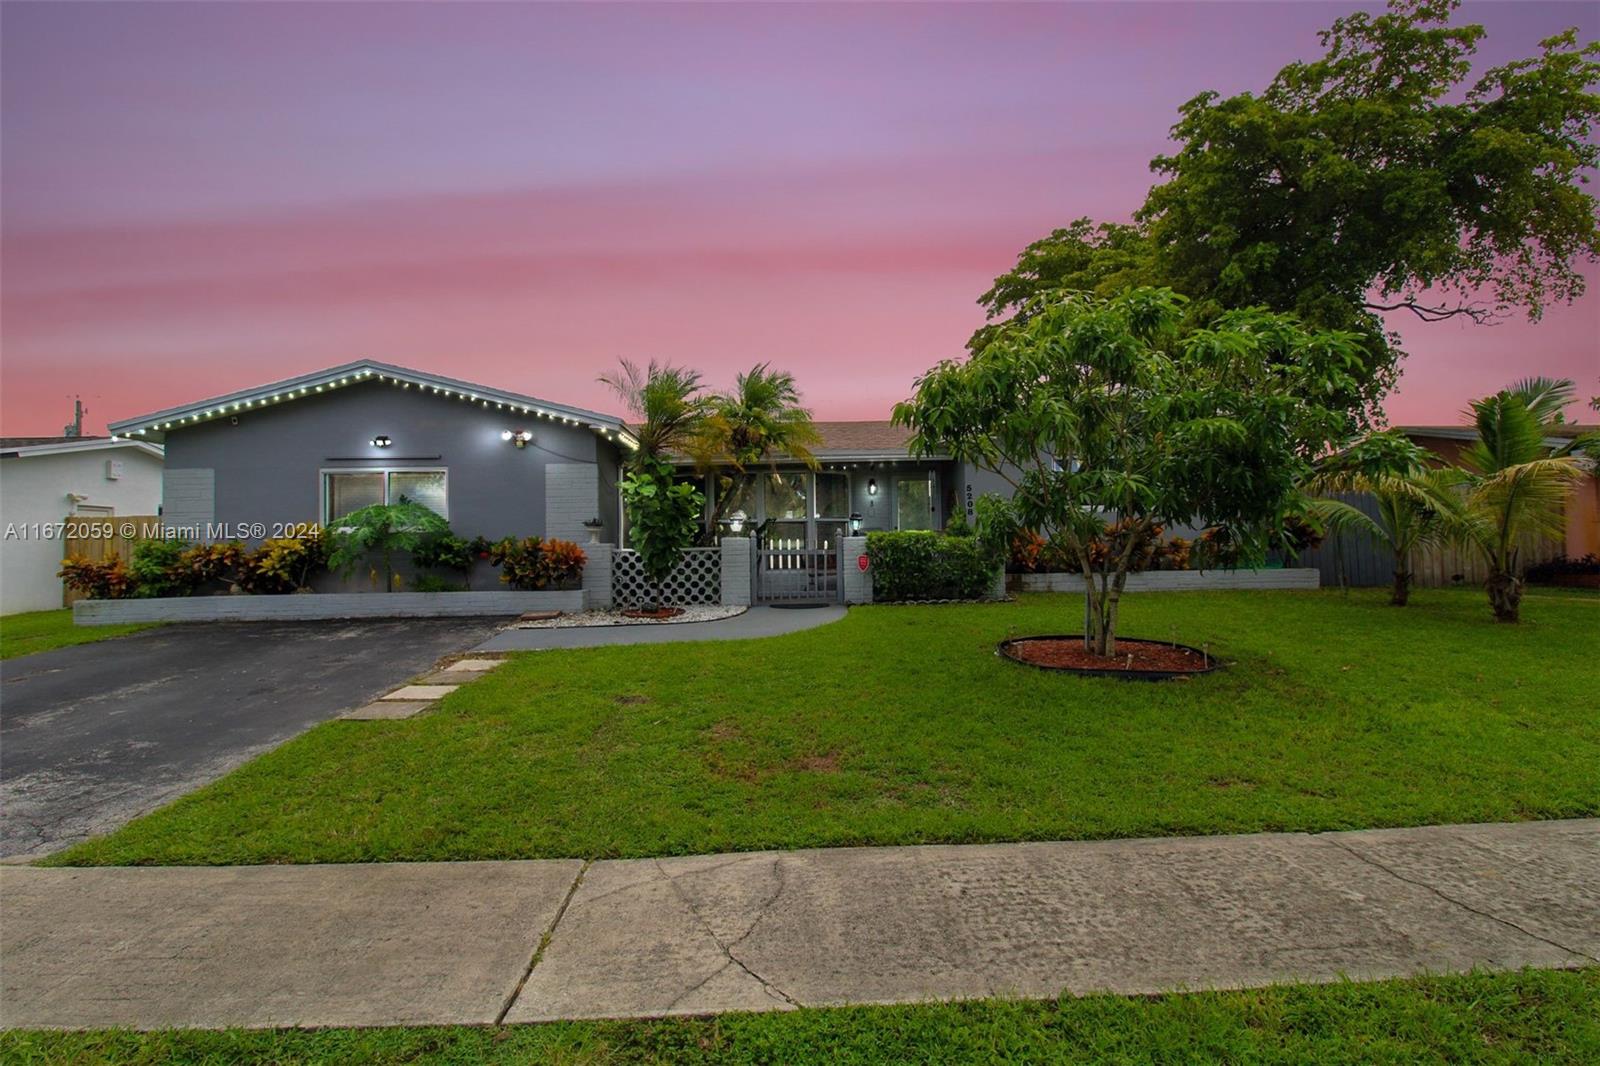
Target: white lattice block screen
(695,580)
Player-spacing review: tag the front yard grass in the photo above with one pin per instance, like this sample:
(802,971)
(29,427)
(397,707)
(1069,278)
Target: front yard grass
(899,725)
(1531,1016)
(31,631)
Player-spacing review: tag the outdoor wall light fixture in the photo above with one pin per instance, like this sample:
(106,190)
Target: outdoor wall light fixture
(380,441)
(519,438)
(855,521)
(872,486)
(736,522)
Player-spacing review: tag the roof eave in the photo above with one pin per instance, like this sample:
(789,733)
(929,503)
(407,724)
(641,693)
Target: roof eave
(154,425)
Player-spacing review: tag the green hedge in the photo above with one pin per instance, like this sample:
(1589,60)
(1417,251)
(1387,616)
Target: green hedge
(922,565)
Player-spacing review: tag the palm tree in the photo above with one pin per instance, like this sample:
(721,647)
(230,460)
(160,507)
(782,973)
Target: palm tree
(666,408)
(1412,497)
(760,418)
(1516,486)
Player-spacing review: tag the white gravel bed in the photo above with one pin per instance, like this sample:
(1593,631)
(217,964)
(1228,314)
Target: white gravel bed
(580,619)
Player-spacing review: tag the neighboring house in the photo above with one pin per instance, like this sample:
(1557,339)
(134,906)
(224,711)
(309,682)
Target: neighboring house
(314,448)
(1583,506)
(1357,560)
(44,480)
(865,475)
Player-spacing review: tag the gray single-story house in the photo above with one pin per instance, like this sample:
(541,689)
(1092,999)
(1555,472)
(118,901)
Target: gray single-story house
(312,448)
(865,480)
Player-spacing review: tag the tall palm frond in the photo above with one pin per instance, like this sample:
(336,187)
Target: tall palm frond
(664,405)
(1545,397)
(1516,486)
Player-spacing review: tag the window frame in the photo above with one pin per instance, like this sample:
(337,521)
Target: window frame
(326,472)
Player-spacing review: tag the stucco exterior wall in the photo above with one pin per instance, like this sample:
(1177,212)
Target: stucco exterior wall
(33,490)
(267,466)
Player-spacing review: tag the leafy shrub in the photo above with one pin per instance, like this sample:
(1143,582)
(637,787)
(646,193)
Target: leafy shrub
(531,564)
(445,552)
(384,529)
(284,564)
(1032,554)
(923,565)
(158,568)
(217,564)
(663,517)
(1561,566)
(108,580)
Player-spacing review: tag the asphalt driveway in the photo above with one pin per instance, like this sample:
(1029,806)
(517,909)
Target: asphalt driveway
(94,735)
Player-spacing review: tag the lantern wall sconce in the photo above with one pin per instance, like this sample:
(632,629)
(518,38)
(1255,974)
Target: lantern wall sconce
(855,521)
(519,438)
(380,441)
(872,486)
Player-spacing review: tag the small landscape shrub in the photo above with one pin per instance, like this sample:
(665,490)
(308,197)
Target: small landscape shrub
(158,568)
(108,580)
(285,564)
(923,565)
(1562,567)
(1032,554)
(446,552)
(531,563)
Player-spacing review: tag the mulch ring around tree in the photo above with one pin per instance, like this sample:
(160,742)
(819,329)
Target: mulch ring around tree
(654,613)
(1135,660)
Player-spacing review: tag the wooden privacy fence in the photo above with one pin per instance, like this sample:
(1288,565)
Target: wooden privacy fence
(101,537)
(1358,559)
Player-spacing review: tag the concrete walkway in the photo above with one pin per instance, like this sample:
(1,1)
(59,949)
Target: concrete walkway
(436,943)
(758,621)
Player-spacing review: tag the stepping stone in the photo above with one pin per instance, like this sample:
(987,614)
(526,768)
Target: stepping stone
(454,680)
(472,666)
(420,692)
(383,710)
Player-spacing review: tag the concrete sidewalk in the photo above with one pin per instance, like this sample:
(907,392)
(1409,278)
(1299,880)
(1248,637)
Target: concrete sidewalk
(759,621)
(436,943)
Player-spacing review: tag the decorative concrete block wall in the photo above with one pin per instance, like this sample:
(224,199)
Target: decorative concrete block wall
(323,605)
(571,498)
(1184,580)
(857,582)
(597,576)
(738,571)
(697,579)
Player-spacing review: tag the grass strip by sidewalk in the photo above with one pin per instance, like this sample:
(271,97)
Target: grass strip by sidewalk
(899,725)
(1534,1016)
(31,631)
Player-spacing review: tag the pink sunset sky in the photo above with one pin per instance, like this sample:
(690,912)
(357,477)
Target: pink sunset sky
(200,198)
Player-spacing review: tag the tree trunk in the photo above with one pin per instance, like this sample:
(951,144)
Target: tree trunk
(1400,594)
(1505,596)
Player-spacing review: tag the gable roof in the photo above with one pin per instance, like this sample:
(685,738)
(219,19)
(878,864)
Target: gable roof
(25,447)
(155,425)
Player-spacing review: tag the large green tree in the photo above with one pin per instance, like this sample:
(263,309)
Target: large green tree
(1093,407)
(1380,177)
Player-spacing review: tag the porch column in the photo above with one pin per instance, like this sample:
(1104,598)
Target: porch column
(738,557)
(597,577)
(857,582)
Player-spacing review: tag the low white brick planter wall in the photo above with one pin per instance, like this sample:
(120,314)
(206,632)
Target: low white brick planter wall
(1299,577)
(319,605)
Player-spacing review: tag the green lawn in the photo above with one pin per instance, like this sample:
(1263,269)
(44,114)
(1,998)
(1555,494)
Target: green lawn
(24,634)
(899,725)
(1547,1017)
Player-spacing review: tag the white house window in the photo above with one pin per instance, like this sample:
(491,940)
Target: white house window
(348,491)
